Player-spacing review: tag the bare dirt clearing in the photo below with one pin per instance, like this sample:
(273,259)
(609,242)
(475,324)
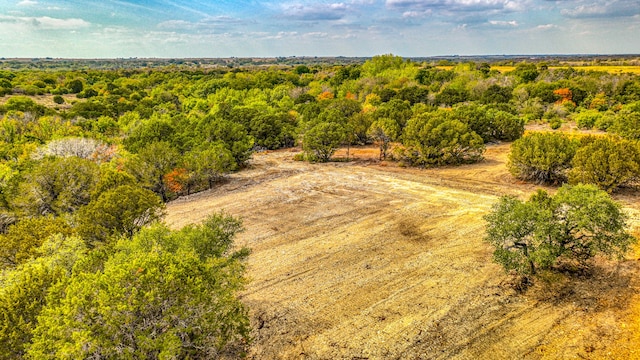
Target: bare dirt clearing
(367,260)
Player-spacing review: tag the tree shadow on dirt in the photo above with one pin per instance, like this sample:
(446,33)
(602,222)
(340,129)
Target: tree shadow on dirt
(605,285)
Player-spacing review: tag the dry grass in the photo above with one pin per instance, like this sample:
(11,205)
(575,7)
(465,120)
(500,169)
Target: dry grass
(367,260)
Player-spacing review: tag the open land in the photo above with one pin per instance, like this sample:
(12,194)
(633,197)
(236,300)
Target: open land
(369,260)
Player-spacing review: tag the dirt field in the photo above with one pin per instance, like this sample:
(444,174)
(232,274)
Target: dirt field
(367,260)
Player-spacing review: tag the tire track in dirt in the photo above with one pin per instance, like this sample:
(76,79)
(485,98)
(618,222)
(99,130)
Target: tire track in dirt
(360,261)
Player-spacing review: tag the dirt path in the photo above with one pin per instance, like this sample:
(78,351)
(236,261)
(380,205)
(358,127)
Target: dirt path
(360,260)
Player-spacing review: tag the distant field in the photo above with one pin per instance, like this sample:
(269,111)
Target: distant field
(612,69)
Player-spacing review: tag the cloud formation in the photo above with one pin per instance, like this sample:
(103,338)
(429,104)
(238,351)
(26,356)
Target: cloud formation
(315,12)
(602,9)
(167,28)
(45,22)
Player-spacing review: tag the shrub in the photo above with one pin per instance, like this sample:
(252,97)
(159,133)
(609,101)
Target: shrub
(605,162)
(434,139)
(542,157)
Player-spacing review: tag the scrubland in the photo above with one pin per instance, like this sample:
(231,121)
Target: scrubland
(363,259)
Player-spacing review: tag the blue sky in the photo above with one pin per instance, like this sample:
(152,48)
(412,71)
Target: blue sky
(224,28)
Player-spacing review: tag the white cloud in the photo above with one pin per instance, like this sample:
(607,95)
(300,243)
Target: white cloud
(315,12)
(416,14)
(207,24)
(511,23)
(45,22)
(596,9)
(27,3)
(546,26)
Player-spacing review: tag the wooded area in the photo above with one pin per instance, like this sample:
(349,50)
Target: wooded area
(89,157)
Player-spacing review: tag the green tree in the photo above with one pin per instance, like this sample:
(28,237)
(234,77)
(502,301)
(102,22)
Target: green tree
(155,129)
(548,232)
(57,186)
(208,163)
(272,131)
(163,294)
(233,135)
(121,211)
(151,165)
(24,291)
(433,138)
(384,131)
(23,238)
(626,124)
(526,72)
(75,86)
(606,162)
(542,157)
(322,140)
(587,119)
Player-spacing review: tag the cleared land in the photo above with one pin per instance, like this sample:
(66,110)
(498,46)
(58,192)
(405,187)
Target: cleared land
(366,260)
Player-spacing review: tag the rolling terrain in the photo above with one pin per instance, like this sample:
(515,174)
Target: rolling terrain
(368,260)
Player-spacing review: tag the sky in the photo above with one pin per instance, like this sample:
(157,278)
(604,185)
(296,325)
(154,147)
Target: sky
(224,28)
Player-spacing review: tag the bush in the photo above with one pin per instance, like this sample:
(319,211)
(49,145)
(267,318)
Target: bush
(434,139)
(58,99)
(587,119)
(542,157)
(322,140)
(606,162)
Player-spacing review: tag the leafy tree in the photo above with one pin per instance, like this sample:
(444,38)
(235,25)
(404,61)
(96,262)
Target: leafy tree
(272,131)
(496,94)
(23,238)
(163,294)
(526,72)
(90,109)
(24,104)
(505,126)
(57,186)
(542,157)
(75,86)
(384,131)
(434,139)
(24,291)
(155,129)
(111,178)
(380,63)
(208,163)
(121,211)
(322,140)
(395,109)
(546,232)
(58,99)
(451,95)
(606,162)
(233,135)
(151,164)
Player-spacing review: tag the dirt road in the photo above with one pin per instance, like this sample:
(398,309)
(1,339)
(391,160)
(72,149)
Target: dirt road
(358,260)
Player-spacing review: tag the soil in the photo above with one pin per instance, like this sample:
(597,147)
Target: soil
(363,259)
